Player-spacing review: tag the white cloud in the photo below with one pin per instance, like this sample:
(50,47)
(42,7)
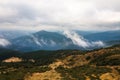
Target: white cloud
(76,39)
(56,14)
(4,42)
(97,43)
(81,41)
(36,40)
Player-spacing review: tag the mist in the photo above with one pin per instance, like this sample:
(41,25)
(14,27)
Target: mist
(81,41)
(4,42)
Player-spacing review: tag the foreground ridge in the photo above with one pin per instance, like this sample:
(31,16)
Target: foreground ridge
(100,64)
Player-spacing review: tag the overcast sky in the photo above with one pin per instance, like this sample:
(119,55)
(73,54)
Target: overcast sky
(87,15)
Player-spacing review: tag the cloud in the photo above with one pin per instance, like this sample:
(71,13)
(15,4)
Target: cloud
(97,43)
(41,42)
(57,14)
(36,40)
(81,41)
(4,42)
(76,39)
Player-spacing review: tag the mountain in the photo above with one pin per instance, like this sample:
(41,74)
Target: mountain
(4,42)
(84,33)
(44,40)
(41,40)
(108,37)
(9,35)
(6,37)
(52,56)
(104,36)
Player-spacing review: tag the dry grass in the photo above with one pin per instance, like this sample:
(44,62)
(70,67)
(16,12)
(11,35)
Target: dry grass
(12,59)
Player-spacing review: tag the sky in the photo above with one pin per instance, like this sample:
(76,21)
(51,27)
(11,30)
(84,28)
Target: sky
(35,15)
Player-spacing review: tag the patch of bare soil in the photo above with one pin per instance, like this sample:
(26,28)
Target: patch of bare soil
(12,59)
(48,75)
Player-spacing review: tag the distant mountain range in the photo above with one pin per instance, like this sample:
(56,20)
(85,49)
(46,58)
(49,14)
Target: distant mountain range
(41,40)
(108,37)
(44,40)
(12,34)
(104,36)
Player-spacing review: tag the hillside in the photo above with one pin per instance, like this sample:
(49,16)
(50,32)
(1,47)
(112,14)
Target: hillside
(46,40)
(100,64)
(104,36)
(41,40)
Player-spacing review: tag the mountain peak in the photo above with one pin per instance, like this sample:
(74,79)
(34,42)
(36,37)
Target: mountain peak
(42,31)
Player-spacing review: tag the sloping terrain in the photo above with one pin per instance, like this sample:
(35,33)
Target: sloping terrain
(104,36)
(100,64)
(41,40)
(45,40)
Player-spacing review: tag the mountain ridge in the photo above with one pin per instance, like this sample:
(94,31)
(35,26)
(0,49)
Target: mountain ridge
(45,40)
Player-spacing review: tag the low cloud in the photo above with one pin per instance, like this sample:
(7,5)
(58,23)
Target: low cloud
(36,40)
(42,42)
(4,42)
(76,39)
(81,41)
